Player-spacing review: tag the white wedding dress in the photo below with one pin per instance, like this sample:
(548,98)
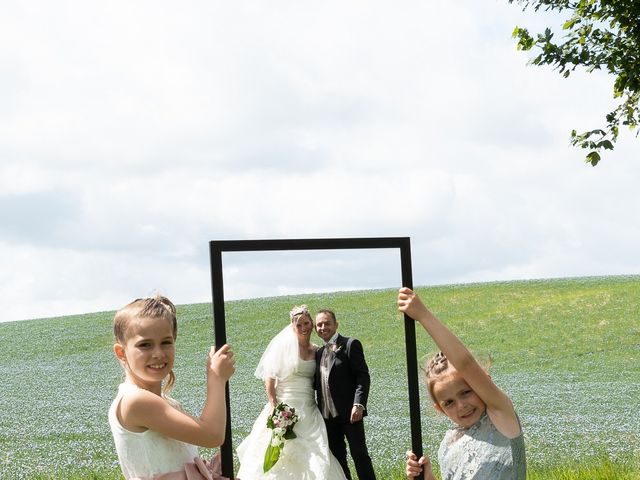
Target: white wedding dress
(306,457)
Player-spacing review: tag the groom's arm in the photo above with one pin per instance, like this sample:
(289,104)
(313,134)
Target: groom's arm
(360,371)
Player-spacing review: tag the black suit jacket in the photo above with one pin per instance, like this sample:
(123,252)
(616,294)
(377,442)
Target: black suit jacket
(349,378)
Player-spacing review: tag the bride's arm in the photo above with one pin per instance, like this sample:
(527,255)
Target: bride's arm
(270,387)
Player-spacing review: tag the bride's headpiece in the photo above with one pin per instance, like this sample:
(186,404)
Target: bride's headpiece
(297,312)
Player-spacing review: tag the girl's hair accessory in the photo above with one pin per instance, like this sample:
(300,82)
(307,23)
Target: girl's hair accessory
(438,364)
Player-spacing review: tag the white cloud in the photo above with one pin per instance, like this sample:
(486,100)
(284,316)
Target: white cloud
(134,133)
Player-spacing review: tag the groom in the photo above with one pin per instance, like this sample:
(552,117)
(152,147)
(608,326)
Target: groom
(342,385)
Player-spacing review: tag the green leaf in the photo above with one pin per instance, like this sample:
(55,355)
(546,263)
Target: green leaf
(593,158)
(607,145)
(271,456)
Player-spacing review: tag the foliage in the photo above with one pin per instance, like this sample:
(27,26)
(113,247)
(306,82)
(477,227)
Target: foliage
(599,35)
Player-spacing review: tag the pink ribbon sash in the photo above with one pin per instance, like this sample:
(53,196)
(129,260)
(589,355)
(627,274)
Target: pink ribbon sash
(199,469)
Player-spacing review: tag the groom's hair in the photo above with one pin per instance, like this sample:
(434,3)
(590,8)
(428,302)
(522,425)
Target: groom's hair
(327,312)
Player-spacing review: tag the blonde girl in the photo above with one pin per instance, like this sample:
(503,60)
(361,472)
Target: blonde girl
(154,437)
(487,443)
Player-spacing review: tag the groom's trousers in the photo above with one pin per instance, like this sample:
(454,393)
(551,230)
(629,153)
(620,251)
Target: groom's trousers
(337,430)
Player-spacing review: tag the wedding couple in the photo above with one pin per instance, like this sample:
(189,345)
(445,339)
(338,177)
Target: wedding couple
(295,371)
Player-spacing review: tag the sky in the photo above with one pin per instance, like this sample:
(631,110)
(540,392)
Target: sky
(133,133)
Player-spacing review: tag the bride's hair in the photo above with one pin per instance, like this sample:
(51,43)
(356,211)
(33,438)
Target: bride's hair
(298,312)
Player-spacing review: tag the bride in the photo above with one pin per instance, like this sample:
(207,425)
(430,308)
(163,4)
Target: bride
(287,367)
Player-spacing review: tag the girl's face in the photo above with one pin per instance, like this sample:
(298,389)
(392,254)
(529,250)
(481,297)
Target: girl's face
(148,352)
(303,327)
(457,401)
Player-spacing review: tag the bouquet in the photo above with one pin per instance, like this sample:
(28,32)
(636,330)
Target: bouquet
(281,422)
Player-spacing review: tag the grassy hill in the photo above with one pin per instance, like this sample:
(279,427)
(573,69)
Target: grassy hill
(567,351)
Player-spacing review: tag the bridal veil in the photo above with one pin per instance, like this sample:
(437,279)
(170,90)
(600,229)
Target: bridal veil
(280,359)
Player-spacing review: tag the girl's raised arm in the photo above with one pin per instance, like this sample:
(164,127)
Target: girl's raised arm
(143,409)
(499,405)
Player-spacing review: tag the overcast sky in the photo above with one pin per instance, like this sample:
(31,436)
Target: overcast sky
(133,133)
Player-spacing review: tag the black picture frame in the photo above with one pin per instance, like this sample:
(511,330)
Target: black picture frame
(403,244)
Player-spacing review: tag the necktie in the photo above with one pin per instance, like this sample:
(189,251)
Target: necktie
(328,409)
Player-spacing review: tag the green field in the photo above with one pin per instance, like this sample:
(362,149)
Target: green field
(567,351)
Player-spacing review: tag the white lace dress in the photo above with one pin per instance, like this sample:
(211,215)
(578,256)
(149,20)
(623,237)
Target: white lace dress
(148,453)
(481,452)
(306,457)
